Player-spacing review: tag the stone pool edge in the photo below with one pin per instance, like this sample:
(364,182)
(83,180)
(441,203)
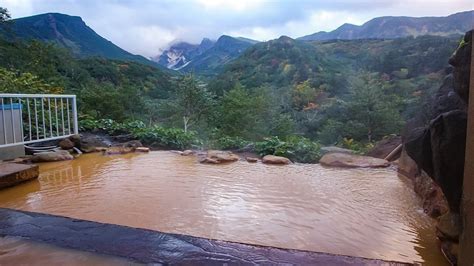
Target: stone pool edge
(149,246)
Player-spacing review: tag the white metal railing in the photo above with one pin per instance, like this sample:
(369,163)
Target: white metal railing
(31,118)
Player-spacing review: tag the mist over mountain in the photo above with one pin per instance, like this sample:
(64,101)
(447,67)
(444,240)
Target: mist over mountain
(181,53)
(205,58)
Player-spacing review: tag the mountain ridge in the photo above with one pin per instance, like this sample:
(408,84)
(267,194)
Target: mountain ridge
(72,33)
(392,27)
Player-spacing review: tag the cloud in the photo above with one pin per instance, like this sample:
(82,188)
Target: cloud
(147,26)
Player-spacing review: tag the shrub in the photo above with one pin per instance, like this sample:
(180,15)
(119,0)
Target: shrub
(357,147)
(173,138)
(229,143)
(298,149)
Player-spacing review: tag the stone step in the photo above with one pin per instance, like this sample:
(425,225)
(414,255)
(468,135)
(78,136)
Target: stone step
(150,247)
(14,173)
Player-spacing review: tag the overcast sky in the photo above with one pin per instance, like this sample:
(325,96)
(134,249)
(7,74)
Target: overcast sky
(147,26)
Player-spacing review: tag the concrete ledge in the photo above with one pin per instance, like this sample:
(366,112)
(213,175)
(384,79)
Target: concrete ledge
(14,173)
(147,246)
(12,152)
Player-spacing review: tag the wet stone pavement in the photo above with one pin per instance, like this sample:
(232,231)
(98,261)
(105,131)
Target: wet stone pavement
(147,246)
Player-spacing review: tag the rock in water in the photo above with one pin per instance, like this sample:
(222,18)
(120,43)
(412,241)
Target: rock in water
(132,144)
(209,161)
(66,144)
(222,156)
(251,159)
(352,161)
(214,157)
(142,149)
(187,152)
(118,150)
(52,156)
(272,159)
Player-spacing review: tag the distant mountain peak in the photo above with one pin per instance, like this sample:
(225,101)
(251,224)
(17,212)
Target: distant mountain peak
(205,56)
(285,38)
(72,33)
(180,54)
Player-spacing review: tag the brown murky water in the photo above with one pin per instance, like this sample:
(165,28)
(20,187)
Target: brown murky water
(17,251)
(369,213)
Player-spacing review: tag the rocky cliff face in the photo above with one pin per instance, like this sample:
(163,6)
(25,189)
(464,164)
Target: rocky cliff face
(438,148)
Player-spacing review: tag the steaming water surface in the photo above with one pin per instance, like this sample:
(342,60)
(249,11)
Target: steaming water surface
(369,213)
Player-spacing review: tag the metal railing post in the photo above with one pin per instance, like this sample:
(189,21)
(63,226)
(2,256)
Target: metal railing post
(74,113)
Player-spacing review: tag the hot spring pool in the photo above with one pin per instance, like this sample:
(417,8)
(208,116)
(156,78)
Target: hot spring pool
(370,213)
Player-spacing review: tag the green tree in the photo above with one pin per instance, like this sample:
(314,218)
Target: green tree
(368,112)
(371,110)
(12,82)
(191,102)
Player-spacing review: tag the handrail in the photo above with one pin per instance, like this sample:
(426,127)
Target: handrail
(16,95)
(32,118)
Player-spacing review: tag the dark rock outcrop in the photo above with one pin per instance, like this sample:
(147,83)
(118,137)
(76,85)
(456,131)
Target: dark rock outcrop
(438,148)
(461,61)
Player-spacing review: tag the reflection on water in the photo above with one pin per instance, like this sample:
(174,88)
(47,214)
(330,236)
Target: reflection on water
(360,212)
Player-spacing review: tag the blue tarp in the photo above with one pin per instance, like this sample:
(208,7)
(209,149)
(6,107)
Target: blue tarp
(15,106)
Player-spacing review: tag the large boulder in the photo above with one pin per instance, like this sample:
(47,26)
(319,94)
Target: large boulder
(88,142)
(272,159)
(52,156)
(439,150)
(352,161)
(384,147)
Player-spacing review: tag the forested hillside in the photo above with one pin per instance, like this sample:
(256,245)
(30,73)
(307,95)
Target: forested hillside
(317,83)
(105,88)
